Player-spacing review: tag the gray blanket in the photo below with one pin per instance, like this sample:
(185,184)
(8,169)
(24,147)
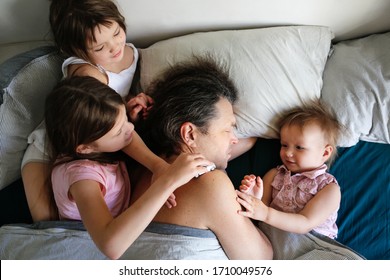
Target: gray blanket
(69,240)
(310,246)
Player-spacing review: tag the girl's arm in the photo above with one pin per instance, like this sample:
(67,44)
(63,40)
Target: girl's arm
(114,235)
(141,153)
(87,70)
(39,192)
(316,211)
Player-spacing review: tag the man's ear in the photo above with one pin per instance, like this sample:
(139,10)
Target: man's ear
(188,133)
(84,149)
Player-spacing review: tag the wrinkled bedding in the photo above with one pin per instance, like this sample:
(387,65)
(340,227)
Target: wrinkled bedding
(66,240)
(310,246)
(69,240)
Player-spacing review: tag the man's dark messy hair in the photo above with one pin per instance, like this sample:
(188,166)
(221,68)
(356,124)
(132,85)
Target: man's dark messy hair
(185,92)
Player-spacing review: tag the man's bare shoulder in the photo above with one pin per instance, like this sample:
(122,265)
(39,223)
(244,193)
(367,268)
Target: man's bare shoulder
(216,196)
(214,176)
(215,182)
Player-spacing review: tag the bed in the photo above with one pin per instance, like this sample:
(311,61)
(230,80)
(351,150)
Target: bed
(276,62)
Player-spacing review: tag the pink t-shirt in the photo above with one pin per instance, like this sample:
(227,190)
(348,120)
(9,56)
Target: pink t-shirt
(290,193)
(113,179)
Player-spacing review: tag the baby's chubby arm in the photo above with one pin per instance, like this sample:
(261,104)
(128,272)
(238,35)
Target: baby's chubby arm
(255,195)
(253,207)
(321,206)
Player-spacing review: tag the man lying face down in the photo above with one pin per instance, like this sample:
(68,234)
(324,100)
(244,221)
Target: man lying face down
(193,113)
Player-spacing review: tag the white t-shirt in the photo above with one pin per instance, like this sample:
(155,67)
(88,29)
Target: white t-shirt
(120,82)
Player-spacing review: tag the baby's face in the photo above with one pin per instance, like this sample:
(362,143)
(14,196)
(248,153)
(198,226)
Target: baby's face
(303,149)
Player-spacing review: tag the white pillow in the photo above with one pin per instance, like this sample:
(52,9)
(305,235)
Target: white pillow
(273,68)
(357,87)
(25,81)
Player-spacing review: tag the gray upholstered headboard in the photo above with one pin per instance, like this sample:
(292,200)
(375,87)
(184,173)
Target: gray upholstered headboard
(24,24)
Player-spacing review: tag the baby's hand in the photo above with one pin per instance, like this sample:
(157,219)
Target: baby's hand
(254,208)
(247,183)
(139,106)
(252,185)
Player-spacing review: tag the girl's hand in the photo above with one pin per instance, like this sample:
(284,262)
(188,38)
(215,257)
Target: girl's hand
(159,170)
(139,106)
(185,167)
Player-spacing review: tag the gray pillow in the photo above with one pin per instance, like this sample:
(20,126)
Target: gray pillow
(357,87)
(25,81)
(273,68)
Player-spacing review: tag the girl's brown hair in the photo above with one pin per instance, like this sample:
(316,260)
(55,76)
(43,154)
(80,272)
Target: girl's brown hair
(78,111)
(73,22)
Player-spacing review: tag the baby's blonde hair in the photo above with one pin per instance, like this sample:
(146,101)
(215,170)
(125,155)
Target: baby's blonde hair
(315,112)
